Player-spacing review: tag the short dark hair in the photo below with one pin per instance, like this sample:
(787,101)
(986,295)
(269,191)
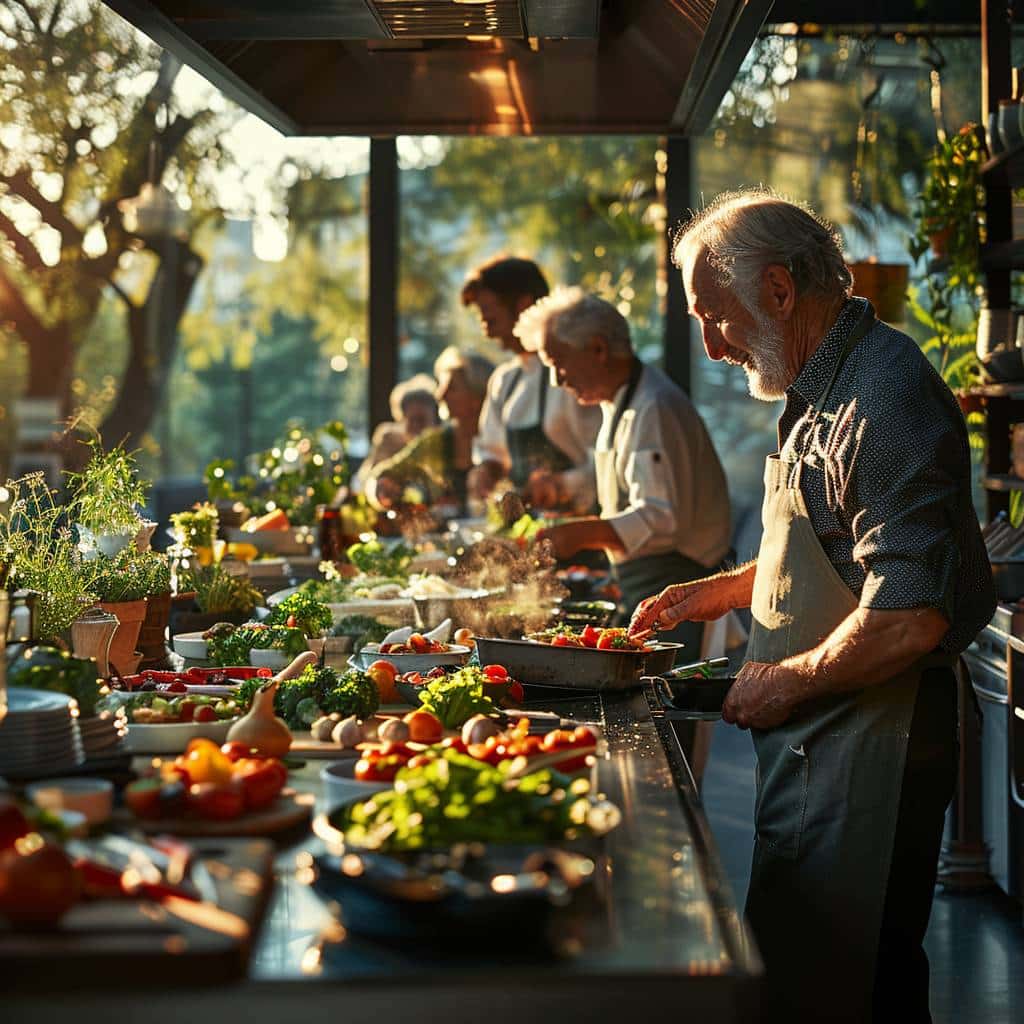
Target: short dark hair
(509,277)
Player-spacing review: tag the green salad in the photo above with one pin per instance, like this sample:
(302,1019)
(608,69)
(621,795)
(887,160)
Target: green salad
(232,647)
(457,697)
(456,798)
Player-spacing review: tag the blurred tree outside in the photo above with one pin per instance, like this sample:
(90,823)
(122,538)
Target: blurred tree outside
(88,116)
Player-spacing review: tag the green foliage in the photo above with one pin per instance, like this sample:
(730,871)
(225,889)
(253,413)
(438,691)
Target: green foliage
(351,693)
(218,592)
(456,698)
(951,343)
(295,475)
(313,617)
(372,558)
(131,576)
(47,668)
(232,648)
(105,496)
(362,628)
(196,528)
(38,551)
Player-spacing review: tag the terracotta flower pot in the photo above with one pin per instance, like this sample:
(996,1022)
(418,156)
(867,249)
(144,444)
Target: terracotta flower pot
(884,285)
(154,629)
(130,616)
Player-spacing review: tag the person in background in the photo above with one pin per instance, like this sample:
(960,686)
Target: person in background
(662,491)
(531,433)
(872,577)
(438,461)
(413,409)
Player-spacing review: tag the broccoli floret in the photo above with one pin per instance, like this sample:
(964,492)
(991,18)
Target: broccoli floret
(307,711)
(355,693)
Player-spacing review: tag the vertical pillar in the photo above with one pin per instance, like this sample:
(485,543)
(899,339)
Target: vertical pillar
(383,305)
(678,193)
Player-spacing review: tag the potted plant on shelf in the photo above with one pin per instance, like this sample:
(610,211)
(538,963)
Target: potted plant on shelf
(105,499)
(40,553)
(155,569)
(949,226)
(878,275)
(195,530)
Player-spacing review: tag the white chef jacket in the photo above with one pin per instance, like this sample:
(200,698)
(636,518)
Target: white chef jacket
(667,469)
(569,425)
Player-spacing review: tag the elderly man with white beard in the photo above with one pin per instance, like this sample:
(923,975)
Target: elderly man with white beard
(870,580)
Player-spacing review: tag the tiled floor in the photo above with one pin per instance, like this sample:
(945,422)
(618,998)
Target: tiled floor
(975,942)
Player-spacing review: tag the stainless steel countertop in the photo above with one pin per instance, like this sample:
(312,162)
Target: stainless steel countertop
(670,938)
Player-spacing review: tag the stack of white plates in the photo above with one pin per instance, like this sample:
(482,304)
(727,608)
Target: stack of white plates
(102,737)
(38,736)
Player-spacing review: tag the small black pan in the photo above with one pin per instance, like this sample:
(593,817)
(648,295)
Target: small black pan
(693,697)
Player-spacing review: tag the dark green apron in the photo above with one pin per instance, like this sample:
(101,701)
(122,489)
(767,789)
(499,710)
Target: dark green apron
(529,448)
(828,779)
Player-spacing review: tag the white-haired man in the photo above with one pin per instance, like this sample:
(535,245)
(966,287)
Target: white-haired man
(871,578)
(660,486)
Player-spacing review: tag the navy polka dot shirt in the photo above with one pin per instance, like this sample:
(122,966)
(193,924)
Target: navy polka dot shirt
(887,477)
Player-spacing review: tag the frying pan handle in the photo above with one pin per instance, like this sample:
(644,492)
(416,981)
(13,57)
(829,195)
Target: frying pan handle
(686,671)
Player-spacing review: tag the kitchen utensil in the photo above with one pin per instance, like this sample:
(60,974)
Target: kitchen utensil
(694,698)
(574,668)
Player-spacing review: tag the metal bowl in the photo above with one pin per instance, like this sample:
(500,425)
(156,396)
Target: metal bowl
(455,656)
(574,668)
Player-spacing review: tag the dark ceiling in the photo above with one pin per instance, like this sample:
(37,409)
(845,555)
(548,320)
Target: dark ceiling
(870,13)
(499,67)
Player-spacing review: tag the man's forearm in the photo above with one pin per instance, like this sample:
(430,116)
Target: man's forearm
(595,534)
(868,647)
(740,583)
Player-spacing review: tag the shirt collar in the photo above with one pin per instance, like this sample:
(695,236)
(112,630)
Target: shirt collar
(813,378)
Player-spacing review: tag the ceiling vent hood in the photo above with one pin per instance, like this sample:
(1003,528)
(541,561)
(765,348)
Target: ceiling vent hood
(502,67)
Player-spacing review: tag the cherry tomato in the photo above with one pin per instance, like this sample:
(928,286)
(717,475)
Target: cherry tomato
(590,636)
(290,622)
(186,711)
(454,743)
(613,640)
(496,673)
(260,781)
(515,692)
(204,762)
(204,713)
(419,761)
(424,727)
(392,749)
(381,769)
(419,643)
(583,736)
(413,678)
(217,802)
(562,641)
(557,739)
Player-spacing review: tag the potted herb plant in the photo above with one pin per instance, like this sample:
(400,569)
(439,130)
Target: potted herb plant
(196,530)
(219,596)
(105,498)
(949,226)
(121,587)
(40,553)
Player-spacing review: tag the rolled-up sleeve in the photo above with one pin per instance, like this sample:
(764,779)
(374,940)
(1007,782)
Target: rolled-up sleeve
(906,498)
(490,444)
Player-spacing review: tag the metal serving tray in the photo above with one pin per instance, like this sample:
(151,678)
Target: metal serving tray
(575,668)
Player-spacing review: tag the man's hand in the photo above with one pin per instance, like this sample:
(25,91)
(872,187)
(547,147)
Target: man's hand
(482,479)
(565,540)
(699,601)
(545,489)
(762,697)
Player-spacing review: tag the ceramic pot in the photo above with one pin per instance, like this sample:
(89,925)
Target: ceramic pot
(884,285)
(130,616)
(153,633)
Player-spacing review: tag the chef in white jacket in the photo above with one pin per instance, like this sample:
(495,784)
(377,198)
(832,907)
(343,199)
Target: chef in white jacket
(661,489)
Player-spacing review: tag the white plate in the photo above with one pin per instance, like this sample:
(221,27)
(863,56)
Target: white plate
(456,655)
(190,645)
(172,738)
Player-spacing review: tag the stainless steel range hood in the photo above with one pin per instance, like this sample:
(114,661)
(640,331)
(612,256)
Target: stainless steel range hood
(499,67)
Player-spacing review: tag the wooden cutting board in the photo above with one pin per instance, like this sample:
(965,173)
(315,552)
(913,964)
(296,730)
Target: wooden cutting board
(134,942)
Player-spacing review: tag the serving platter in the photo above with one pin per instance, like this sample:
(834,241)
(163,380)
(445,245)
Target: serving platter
(290,810)
(172,737)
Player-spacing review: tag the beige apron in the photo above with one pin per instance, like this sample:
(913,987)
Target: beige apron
(828,779)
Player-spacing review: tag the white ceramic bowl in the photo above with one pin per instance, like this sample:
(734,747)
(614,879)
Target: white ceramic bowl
(269,658)
(174,737)
(190,645)
(455,655)
(94,798)
(342,785)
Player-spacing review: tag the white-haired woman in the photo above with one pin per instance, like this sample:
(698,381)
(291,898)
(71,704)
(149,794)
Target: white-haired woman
(437,462)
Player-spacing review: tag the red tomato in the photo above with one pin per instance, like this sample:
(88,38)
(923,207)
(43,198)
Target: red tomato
(419,643)
(380,769)
(583,736)
(419,761)
(454,743)
(290,622)
(186,711)
(557,739)
(613,640)
(235,751)
(143,797)
(515,692)
(383,674)
(37,886)
(496,673)
(562,641)
(413,678)
(217,802)
(393,749)
(590,636)
(261,782)
(204,713)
